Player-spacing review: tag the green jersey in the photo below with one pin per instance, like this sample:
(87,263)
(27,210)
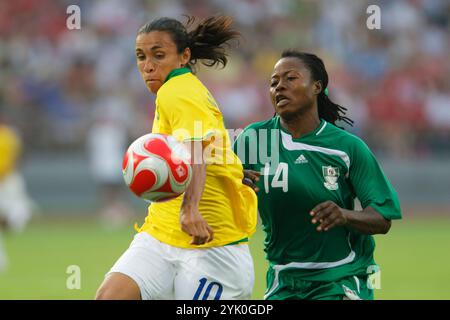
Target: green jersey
(296,175)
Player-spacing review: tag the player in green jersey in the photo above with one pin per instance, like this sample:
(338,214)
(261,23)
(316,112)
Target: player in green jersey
(307,173)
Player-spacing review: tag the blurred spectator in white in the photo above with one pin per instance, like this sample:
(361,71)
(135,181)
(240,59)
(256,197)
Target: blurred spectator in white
(107,141)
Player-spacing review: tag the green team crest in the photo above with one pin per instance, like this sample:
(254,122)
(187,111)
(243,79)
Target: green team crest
(331,175)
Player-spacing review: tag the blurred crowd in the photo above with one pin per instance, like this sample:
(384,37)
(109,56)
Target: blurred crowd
(64,89)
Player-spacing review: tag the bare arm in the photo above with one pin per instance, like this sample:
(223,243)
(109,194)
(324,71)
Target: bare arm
(191,220)
(194,191)
(367,221)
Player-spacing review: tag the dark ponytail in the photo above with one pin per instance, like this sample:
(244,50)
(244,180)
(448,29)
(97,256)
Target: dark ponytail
(207,40)
(328,110)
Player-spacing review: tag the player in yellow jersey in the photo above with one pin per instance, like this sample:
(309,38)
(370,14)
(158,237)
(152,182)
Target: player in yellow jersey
(194,246)
(15,204)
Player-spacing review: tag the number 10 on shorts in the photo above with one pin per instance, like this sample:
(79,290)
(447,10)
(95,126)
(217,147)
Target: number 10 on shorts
(206,289)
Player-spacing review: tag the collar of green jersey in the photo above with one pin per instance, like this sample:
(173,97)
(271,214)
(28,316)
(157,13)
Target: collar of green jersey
(177,72)
(312,133)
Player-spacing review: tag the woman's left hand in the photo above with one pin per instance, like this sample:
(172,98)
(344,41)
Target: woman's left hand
(329,214)
(251,177)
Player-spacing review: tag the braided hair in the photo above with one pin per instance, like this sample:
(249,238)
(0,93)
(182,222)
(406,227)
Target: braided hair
(328,110)
(207,41)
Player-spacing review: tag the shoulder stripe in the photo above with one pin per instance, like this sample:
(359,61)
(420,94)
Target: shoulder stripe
(289,144)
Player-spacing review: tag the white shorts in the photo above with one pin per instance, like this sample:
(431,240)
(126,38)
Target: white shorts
(15,205)
(166,272)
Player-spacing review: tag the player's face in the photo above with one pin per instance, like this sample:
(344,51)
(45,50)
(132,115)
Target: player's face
(157,55)
(292,91)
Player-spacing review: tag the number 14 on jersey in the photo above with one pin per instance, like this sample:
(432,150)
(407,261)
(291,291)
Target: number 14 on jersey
(280,178)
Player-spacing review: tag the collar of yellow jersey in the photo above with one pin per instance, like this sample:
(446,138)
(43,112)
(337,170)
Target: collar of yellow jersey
(177,72)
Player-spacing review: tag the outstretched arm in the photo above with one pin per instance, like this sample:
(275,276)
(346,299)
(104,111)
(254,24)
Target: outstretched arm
(191,220)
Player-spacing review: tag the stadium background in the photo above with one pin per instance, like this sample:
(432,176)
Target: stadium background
(59,87)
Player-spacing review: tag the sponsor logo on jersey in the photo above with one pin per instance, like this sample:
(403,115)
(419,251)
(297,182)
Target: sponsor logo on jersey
(301,159)
(331,175)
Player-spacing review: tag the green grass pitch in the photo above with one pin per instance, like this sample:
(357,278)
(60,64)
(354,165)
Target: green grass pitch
(414,259)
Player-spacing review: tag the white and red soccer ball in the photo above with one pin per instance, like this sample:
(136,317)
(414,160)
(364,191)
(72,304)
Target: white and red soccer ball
(156,167)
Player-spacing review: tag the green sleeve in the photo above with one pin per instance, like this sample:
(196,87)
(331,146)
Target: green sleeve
(370,183)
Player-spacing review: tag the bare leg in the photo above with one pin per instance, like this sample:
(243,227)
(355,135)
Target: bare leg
(118,286)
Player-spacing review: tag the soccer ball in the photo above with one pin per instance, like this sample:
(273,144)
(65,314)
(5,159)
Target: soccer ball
(156,167)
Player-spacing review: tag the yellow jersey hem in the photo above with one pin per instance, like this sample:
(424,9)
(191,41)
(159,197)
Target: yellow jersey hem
(178,244)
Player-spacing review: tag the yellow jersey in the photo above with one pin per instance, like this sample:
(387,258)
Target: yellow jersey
(10,147)
(186,110)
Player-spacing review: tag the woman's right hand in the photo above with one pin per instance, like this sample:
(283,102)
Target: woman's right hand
(195,225)
(251,177)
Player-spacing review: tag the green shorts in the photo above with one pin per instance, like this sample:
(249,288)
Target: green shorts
(289,286)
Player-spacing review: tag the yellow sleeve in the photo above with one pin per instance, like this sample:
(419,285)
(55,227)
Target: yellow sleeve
(188,118)
(10,147)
